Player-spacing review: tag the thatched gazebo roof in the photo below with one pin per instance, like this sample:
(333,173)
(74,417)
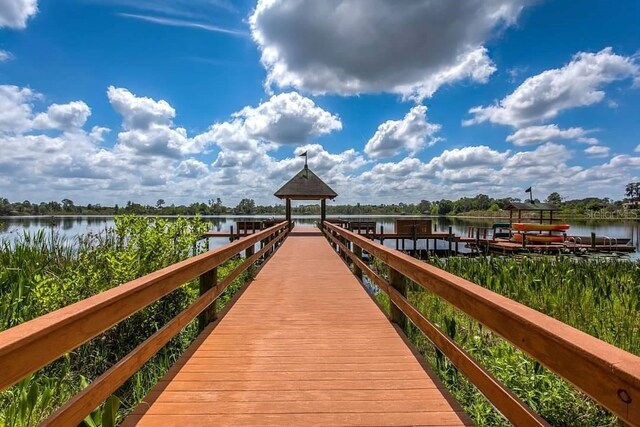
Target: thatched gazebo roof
(305,185)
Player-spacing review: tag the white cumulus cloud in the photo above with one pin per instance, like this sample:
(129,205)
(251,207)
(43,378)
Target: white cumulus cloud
(5,55)
(351,46)
(16,13)
(538,134)
(471,156)
(410,134)
(597,151)
(16,108)
(191,168)
(63,117)
(542,97)
(284,119)
(140,112)
(287,118)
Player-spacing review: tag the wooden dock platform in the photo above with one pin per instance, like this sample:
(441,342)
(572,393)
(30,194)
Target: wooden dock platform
(304,345)
(502,246)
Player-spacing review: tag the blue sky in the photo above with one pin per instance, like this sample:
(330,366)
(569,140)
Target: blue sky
(104,101)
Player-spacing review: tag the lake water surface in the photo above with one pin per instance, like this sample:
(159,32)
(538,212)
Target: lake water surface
(71,226)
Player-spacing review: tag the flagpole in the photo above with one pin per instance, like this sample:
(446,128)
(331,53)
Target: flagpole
(306,158)
(530,191)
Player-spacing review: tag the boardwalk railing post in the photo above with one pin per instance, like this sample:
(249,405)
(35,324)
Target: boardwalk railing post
(248,254)
(398,282)
(414,237)
(357,251)
(208,281)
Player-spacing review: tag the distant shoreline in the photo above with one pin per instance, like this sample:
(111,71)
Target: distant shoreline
(486,215)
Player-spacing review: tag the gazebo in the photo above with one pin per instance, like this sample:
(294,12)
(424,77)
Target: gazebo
(306,185)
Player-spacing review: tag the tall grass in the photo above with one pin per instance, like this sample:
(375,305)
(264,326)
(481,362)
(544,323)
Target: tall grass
(42,272)
(599,297)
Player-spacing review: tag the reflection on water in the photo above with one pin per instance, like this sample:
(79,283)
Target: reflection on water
(71,226)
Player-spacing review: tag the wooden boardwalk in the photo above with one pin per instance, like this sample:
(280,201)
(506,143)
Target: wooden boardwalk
(303,345)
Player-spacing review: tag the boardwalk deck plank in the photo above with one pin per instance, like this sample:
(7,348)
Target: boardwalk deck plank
(304,345)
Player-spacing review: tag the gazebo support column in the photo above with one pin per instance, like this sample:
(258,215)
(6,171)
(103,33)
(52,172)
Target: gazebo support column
(323,210)
(288,213)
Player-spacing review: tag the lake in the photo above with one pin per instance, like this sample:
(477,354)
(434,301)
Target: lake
(71,226)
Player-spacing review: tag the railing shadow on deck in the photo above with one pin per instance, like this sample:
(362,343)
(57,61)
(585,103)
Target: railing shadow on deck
(606,373)
(34,344)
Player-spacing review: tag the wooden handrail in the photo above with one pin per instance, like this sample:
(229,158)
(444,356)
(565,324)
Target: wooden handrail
(609,375)
(76,409)
(30,346)
(503,399)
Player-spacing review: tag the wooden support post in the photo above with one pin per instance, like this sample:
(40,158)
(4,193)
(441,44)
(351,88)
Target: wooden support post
(593,240)
(323,210)
(208,281)
(288,213)
(249,253)
(344,254)
(396,315)
(381,234)
(266,242)
(231,234)
(357,250)
(450,239)
(414,235)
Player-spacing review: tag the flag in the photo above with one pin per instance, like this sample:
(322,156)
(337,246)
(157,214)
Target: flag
(528,190)
(306,158)
(303,154)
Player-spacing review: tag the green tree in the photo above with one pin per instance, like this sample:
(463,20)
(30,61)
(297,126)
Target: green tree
(245,207)
(160,203)
(67,205)
(554,198)
(632,191)
(444,207)
(424,206)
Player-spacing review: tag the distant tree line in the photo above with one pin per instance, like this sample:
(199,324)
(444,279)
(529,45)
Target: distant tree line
(480,204)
